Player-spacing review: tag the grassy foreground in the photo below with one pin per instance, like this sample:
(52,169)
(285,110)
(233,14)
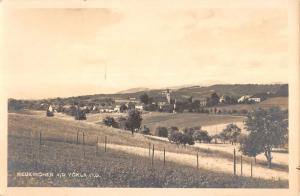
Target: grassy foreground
(59,153)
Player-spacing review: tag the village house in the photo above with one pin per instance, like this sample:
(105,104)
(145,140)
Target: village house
(259,97)
(243,98)
(139,107)
(106,109)
(222,99)
(117,108)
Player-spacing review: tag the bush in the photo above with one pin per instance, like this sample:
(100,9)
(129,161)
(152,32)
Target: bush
(181,138)
(110,122)
(122,122)
(176,137)
(145,130)
(49,113)
(161,132)
(80,115)
(202,136)
(187,139)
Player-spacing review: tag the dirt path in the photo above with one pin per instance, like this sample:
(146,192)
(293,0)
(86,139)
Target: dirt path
(279,158)
(213,164)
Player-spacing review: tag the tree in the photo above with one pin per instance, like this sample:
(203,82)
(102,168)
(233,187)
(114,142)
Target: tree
(231,133)
(176,137)
(249,147)
(131,106)
(161,132)
(267,129)
(123,108)
(202,135)
(80,114)
(134,120)
(180,138)
(213,100)
(144,98)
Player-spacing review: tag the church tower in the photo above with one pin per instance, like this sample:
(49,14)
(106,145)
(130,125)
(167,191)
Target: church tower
(168,95)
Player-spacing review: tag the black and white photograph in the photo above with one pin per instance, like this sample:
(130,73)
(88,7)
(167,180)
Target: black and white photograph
(150,94)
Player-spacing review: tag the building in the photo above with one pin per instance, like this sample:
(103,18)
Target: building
(106,109)
(167,94)
(222,99)
(139,107)
(256,99)
(243,98)
(117,108)
(203,101)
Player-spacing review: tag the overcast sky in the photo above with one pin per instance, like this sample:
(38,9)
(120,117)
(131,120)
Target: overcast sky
(63,52)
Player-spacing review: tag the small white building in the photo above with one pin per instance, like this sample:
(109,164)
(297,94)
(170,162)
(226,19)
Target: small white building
(117,108)
(243,98)
(256,99)
(222,99)
(139,107)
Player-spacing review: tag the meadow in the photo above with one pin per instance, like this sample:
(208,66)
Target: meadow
(59,152)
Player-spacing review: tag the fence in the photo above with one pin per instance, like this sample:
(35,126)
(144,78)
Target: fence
(81,140)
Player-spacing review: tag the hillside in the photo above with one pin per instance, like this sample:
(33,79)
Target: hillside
(58,152)
(235,90)
(133,90)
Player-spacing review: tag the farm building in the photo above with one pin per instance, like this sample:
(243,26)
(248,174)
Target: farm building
(50,111)
(167,94)
(243,98)
(117,108)
(139,107)
(106,109)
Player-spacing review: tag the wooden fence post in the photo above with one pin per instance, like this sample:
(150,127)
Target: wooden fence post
(251,169)
(197,161)
(241,165)
(152,162)
(83,143)
(83,138)
(77,136)
(97,147)
(105,143)
(40,137)
(234,163)
(149,150)
(164,157)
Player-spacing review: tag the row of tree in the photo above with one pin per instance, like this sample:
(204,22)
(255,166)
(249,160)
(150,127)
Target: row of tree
(266,129)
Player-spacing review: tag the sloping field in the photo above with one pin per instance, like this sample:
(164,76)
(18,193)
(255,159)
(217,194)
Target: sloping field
(281,102)
(71,165)
(59,138)
(180,120)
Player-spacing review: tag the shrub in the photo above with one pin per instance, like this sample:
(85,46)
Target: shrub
(161,132)
(181,138)
(187,139)
(175,137)
(80,115)
(202,136)
(122,122)
(110,122)
(145,130)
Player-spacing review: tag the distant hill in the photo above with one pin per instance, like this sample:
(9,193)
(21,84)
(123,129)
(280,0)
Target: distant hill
(133,90)
(236,90)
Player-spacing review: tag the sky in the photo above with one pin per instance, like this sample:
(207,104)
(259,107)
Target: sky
(58,52)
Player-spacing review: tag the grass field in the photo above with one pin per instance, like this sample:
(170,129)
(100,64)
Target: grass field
(281,102)
(180,120)
(59,152)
